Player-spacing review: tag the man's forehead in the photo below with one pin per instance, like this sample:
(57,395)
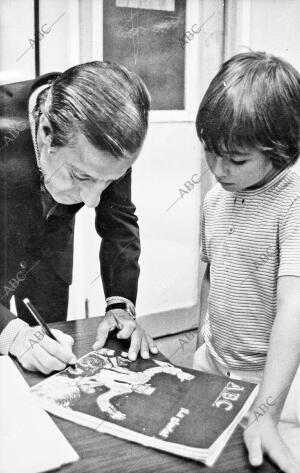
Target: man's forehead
(93,161)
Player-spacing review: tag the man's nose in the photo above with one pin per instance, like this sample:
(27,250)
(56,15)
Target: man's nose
(91,195)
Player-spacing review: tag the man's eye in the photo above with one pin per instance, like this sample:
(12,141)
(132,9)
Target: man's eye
(78,178)
(238,163)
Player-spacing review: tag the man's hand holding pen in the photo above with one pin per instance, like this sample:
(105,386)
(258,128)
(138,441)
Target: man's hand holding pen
(36,351)
(39,349)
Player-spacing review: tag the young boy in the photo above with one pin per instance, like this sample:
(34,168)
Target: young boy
(249,123)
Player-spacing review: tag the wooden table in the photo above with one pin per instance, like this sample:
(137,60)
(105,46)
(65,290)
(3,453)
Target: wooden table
(101,453)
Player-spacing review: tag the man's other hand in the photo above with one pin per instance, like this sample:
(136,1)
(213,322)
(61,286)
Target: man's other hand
(128,328)
(36,351)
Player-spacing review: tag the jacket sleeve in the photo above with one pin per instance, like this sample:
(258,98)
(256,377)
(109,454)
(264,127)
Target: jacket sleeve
(116,223)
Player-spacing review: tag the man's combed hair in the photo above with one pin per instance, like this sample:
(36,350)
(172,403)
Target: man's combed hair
(104,101)
(253,101)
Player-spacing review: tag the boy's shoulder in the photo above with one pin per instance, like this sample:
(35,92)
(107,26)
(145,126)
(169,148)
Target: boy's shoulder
(290,186)
(293,177)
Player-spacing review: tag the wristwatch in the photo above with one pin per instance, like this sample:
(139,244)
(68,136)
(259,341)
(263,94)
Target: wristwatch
(120,303)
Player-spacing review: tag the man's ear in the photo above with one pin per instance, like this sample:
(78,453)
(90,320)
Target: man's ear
(45,130)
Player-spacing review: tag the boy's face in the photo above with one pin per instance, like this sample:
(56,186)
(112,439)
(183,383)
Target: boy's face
(237,172)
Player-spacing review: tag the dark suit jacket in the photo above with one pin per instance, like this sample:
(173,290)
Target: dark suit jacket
(26,237)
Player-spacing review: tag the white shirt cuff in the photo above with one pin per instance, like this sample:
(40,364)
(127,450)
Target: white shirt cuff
(9,333)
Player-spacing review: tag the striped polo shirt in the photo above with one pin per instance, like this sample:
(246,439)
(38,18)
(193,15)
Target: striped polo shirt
(250,238)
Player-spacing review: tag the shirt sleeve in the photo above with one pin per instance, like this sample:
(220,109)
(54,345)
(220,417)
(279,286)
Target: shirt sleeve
(289,241)
(203,249)
(9,333)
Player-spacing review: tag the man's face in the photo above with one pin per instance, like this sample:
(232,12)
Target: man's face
(81,173)
(238,172)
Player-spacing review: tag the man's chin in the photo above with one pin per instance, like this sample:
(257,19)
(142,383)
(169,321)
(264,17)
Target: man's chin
(65,200)
(68,201)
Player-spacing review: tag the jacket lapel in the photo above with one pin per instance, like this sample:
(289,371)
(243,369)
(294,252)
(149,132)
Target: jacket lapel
(25,232)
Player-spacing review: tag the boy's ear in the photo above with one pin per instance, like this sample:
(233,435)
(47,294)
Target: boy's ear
(45,130)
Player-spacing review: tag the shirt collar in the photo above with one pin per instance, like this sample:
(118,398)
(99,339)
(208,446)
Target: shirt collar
(269,185)
(31,105)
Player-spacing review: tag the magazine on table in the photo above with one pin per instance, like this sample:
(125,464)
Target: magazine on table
(149,401)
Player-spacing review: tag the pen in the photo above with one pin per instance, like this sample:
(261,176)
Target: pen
(42,323)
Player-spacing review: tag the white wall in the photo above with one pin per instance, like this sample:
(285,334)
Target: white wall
(275,28)
(265,25)
(60,47)
(16,28)
(170,241)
